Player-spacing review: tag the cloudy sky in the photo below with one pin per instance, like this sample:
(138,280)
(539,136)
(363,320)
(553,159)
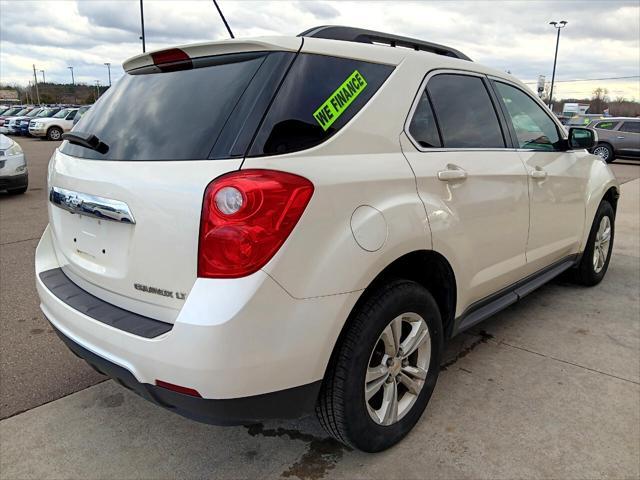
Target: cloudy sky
(602,38)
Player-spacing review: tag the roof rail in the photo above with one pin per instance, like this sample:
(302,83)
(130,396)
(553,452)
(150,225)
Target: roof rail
(350,34)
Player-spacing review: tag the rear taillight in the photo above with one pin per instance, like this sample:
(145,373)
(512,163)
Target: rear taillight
(246,217)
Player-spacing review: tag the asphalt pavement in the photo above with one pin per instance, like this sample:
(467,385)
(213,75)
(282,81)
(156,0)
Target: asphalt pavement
(548,388)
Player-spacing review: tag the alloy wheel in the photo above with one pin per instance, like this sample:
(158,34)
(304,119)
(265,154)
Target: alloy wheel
(397,368)
(602,152)
(601,244)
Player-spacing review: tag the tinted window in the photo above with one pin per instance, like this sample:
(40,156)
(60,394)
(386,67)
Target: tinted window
(423,126)
(465,112)
(606,125)
(175,115)
(318,97)
(633,127)
(534,129)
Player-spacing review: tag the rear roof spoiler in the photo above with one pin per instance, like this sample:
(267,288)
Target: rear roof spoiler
(197,50)
(359,35)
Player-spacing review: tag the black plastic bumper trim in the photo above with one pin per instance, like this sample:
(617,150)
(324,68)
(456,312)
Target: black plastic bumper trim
(78,299)
(290,403)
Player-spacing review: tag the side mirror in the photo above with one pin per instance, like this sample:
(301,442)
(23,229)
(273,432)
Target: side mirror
(580,137)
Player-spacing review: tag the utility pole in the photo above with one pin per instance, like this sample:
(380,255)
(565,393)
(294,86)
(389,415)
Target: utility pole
(35,77)
(43,79)
(558,26)
(224,20)
(109,71)
(144,47)
(73,85)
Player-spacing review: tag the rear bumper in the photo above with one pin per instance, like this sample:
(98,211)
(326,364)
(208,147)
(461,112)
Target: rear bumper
(236,342)
(290,403)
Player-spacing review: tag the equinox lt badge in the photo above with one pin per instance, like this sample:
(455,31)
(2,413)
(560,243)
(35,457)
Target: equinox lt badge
(160,291)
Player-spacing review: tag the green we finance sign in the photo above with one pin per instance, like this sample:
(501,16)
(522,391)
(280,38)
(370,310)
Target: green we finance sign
(340,99)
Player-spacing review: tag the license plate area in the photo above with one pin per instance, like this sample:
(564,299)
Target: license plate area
(93,245)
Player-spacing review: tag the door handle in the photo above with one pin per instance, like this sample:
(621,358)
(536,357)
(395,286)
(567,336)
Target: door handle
(539,174)
(452,172)
(620,138)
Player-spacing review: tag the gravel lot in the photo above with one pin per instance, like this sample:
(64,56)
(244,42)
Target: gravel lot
(548,388)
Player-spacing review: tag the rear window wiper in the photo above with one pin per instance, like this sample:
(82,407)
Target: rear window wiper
(86,140)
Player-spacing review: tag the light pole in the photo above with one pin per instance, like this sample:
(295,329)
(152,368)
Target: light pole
(558,26)
(43,80)
(144,48)
(109,70)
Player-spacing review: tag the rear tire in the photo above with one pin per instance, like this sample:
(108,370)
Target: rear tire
(54,133)
(605,152)
(597,254)
(347,407)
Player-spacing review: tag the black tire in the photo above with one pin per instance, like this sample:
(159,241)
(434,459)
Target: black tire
(54,133)
(605,151)
(585,273)
(342,408)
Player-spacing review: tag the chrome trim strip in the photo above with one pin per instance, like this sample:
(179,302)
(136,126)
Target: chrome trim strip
(91,205)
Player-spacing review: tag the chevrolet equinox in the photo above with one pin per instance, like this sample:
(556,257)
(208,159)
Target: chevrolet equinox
(264,228)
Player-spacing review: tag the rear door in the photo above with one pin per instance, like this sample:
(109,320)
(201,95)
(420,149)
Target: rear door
(557,178)
(628,138)
(125,220)
(473,186)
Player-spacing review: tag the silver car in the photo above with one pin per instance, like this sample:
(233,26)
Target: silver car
(617,137)
(14,176)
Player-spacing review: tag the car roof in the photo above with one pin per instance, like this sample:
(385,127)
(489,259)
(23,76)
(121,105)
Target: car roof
(373,52)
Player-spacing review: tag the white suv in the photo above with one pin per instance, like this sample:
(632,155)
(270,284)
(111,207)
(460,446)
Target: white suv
(52,128)
(323,215)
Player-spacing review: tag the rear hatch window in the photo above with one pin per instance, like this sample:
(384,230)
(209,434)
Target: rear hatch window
(181,115)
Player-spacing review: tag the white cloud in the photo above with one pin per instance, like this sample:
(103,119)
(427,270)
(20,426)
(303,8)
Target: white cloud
(601,39)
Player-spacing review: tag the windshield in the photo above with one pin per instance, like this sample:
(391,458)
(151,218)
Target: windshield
(176,115)
(47,112)
(62,113)
(34,112)
(12,111)
(22,112)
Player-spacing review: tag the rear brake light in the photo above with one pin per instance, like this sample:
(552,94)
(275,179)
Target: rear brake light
(246,217)
(178,388)
(172,60)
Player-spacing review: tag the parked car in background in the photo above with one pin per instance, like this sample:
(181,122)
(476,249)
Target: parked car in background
(46,112)
(14,176)
(81,112)
(10,112)
(4,129)
(617,137)
(53,128)
(13,126)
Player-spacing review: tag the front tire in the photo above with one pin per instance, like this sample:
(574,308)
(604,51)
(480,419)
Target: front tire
(597,254)
(384,369)
(605,152)
(54,133)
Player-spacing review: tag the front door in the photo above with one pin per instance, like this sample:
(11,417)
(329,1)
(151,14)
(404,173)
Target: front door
(557,178)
